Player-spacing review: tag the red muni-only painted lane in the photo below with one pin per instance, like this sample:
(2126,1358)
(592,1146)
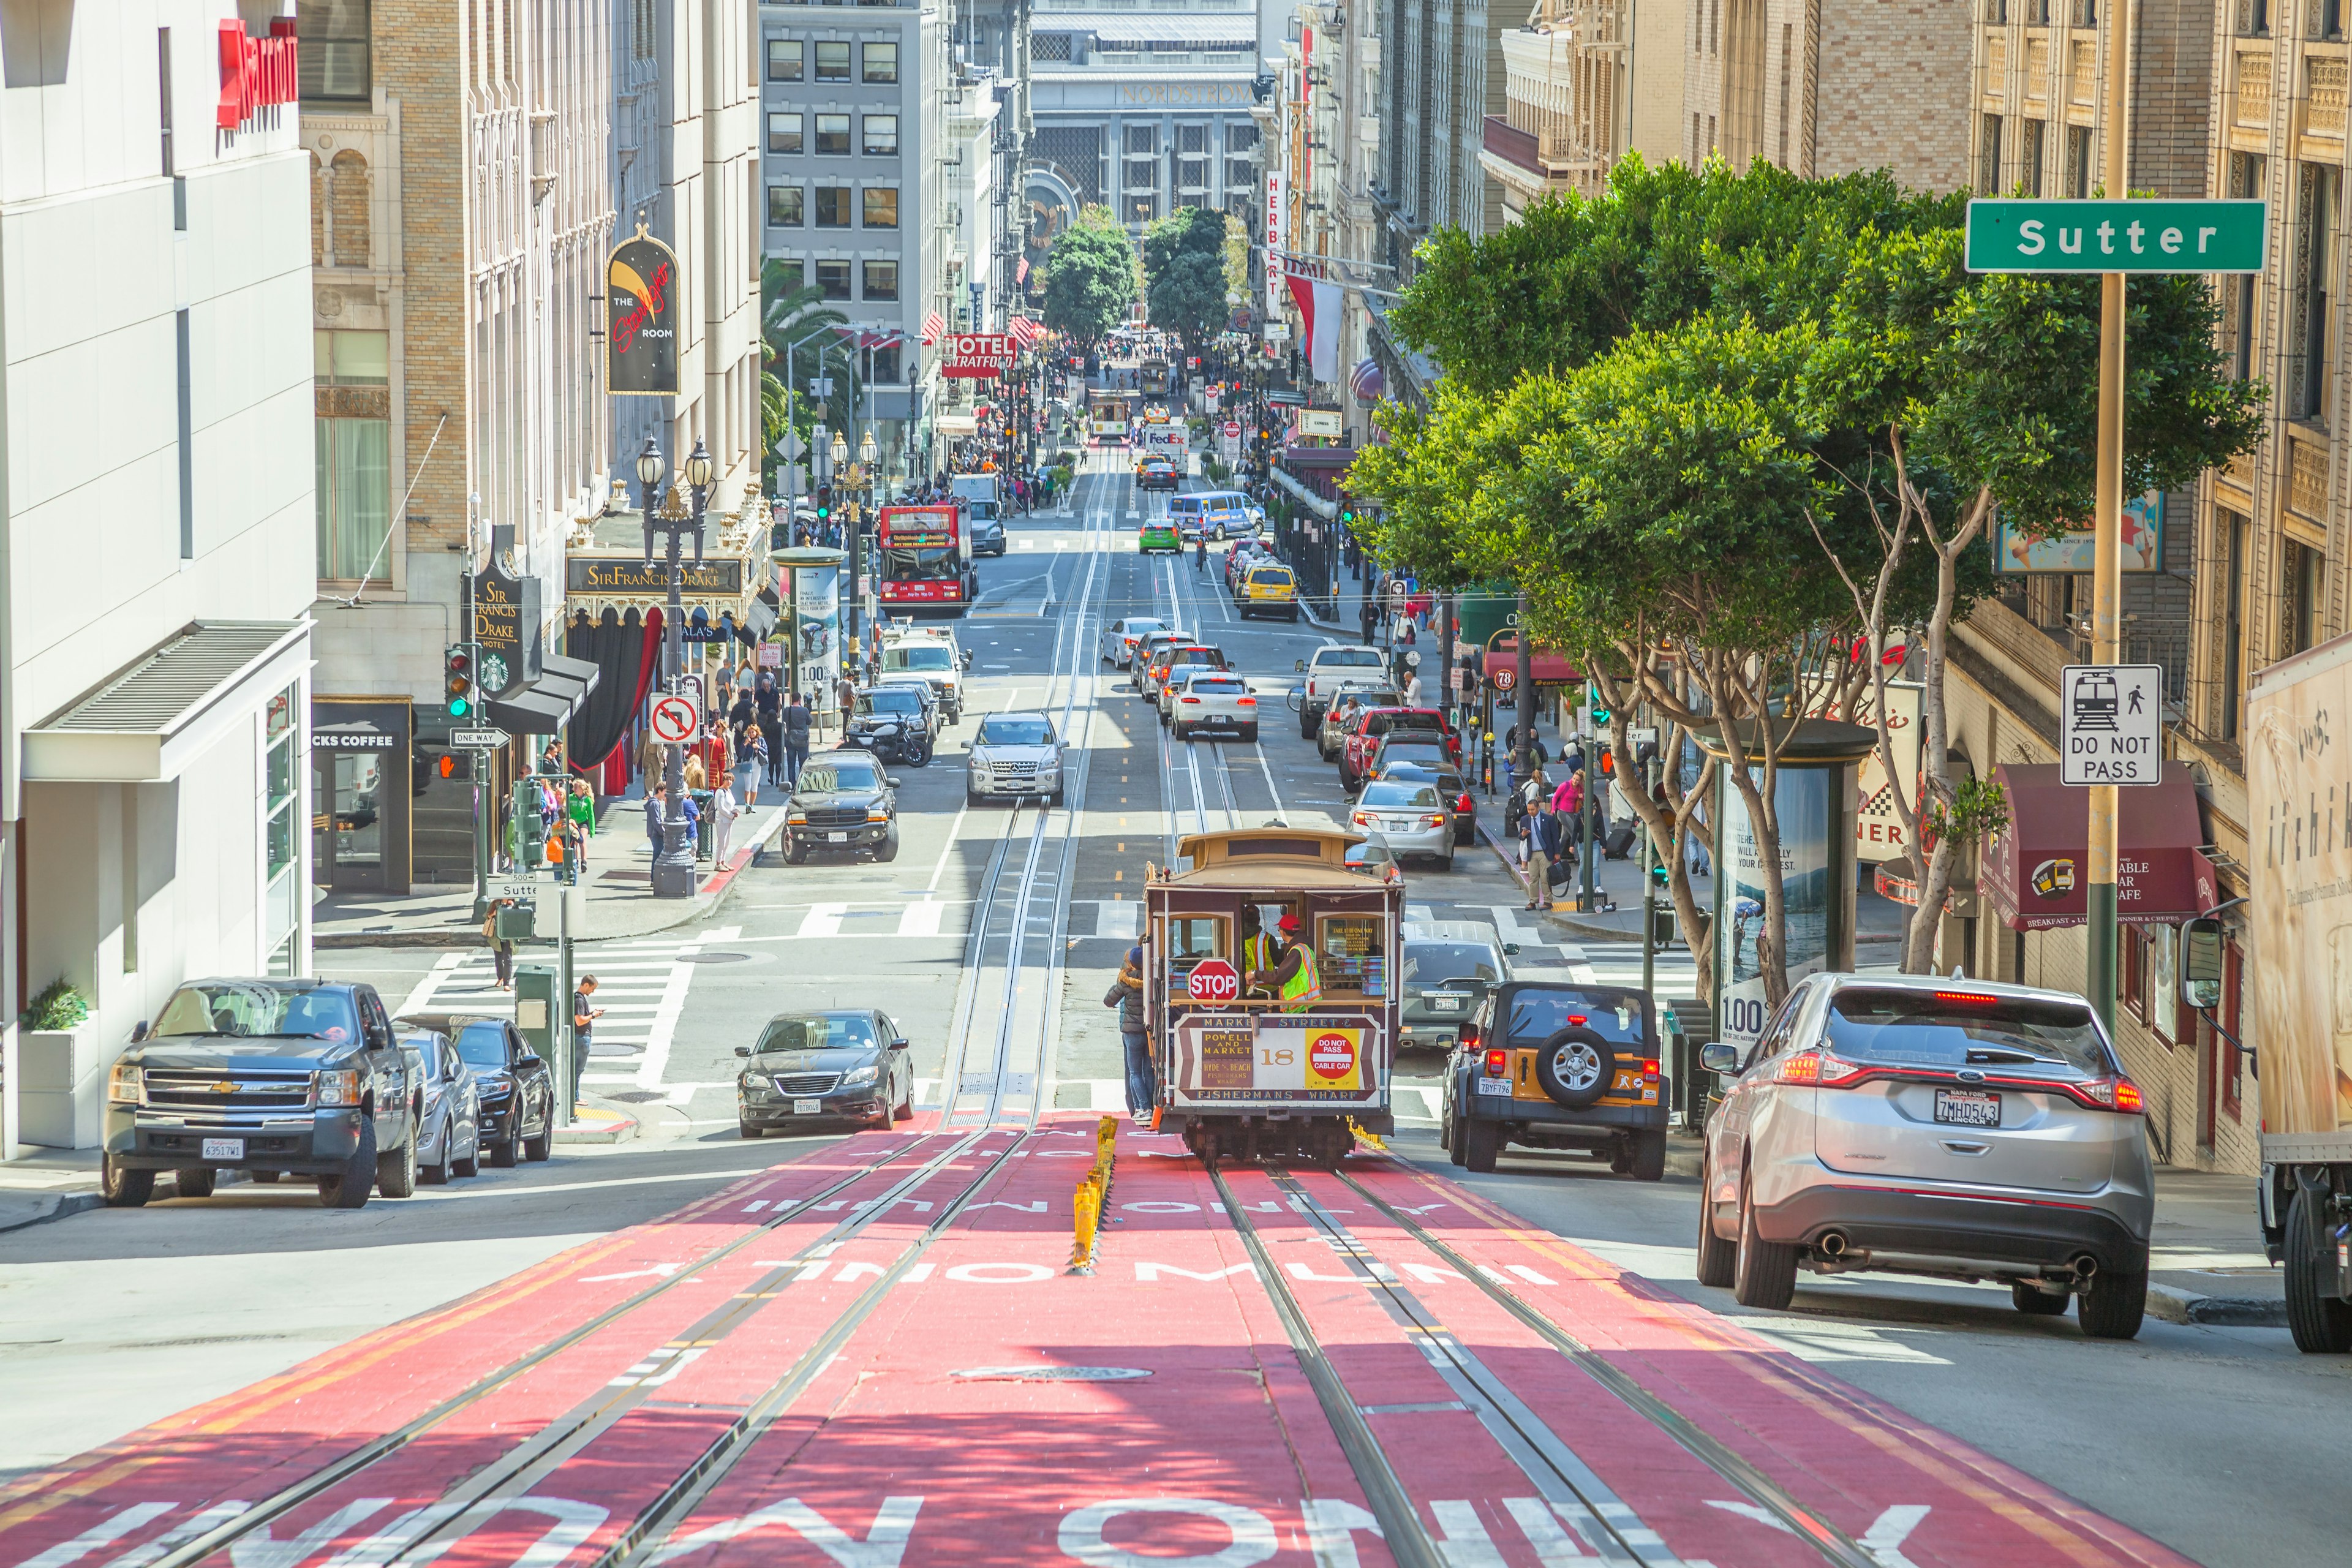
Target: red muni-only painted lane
(920,1380)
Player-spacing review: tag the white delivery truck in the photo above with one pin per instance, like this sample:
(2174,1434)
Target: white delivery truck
(2298,977)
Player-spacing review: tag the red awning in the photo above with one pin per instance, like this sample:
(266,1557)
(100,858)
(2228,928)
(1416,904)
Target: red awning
(1551,669)
(2038,872)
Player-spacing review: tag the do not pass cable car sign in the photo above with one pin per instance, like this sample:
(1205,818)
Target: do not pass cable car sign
(1213,980)
(2111,724)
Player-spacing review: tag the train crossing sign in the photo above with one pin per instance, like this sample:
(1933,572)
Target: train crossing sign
(2111,724)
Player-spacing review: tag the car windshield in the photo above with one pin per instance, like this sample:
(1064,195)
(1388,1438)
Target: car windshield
(483,1045)
(1000,731)
(814,1032)
(920,657)
(925,565)
(1961,1028)
(821,776)
(1413,750)
(230,1008)
(1431,962)
(1271,575)
(1369,853)
(893,700)
(1348,657)
(1613,1016)
(1398,792)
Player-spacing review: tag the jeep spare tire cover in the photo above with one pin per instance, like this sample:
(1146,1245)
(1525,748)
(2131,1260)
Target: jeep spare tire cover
(1575,1067)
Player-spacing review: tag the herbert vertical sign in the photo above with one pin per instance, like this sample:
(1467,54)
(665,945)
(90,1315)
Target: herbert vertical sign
(641,319)
(2150,235)
(2111,724)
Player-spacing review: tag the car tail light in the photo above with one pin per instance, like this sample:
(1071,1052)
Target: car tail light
(1498,1063)
(2116,1094)
(1818,1069)
(1361,820)
(1649,1066)
(1191,699)
(1967,998)
(1465,803)
(1244,702)
(1436,821)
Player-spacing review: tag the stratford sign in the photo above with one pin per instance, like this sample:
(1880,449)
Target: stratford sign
(255,73)
(981,355)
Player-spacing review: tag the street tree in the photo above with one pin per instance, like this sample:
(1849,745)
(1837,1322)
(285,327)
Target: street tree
(1186,263)
(1090,277)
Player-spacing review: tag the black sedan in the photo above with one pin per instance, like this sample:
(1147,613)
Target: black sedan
(517,1092)
(896,721)
(843,1064)
(843,801)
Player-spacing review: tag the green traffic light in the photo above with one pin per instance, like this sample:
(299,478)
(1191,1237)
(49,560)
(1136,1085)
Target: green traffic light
(459,707)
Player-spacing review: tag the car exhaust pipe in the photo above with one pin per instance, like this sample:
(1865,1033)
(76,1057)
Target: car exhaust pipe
(1834,1244)
(2085,1267)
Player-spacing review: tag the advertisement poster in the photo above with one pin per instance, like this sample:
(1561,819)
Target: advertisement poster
(1808,808)
(1877,824)
(2072,552)
(816,631)
(641,319)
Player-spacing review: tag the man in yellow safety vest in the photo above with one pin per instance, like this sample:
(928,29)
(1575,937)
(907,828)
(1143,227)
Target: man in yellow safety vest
(1294,977)
(1260,953)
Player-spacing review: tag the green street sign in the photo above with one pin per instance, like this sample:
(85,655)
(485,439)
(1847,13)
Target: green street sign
(2146,235)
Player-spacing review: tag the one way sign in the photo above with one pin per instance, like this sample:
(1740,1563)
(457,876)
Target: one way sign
(2111,723)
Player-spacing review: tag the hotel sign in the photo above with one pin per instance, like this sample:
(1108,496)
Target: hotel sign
(981,355)
(629,576)
(641,319)
(506,624)
(255,73)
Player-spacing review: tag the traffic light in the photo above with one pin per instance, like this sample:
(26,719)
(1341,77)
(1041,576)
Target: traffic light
(824,503)
(460,665)
(531,829)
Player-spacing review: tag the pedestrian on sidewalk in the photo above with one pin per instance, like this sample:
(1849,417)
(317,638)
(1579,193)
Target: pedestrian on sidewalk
(845,696)
(1543,848)
(770,700)
(656,809)
(583,1028)
(797,722)
(723,812)
(751,757)
(1126,994)
(580,807)
(501,950)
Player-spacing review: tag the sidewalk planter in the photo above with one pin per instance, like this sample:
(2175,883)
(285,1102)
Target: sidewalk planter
(62,1102)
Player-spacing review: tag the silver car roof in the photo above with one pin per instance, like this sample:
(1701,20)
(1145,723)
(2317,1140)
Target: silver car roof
(1452,931)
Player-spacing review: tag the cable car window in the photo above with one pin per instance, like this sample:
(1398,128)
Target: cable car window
(1352,954)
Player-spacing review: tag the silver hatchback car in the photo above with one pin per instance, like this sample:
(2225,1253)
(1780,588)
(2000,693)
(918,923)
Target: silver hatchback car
(1942,1127)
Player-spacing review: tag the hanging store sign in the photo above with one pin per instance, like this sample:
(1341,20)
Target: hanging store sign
(255,73)
(1276,238)
(641,319)
(635,576)
(981,355)
(506,624)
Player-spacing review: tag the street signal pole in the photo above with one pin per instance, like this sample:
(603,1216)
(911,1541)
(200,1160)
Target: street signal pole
(2107,562)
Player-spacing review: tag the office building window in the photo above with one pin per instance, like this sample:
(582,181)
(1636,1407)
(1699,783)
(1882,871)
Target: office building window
(2233,529)
(2314,323)
(2029,155)
(882,62)
(2078,162)
(784,59)
(881,279)
(786,207)
(333,60)
(881,208)
(833,135)
(833,62)
(785,133)
(833,207)
(881,135)
(1989,155)
(2305,592)
(2239,322)
(353,452)
(790,273)
(832,279)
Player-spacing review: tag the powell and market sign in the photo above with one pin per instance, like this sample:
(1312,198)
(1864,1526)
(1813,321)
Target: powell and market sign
(2142,234)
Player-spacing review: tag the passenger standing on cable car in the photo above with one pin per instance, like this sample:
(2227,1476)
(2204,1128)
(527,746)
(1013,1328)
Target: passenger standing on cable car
(1293,978)
(1126,994)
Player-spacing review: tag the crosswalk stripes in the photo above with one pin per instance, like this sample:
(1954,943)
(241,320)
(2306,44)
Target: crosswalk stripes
(1114,919)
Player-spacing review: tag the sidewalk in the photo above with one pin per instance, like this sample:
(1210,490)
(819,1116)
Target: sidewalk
(618,899)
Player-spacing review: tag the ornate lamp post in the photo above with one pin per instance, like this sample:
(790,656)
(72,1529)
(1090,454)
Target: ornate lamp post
(674,519)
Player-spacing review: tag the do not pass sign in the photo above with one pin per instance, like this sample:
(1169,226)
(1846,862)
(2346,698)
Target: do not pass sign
(2111,724)
(1212,980)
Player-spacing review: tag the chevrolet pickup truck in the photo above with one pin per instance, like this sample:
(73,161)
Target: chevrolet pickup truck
(277,1078)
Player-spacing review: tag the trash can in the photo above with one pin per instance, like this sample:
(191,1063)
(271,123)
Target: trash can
(704,826)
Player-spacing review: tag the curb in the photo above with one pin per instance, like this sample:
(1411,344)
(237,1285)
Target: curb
(462,938)
(597,1125)
(2175,1305)
(48,1207)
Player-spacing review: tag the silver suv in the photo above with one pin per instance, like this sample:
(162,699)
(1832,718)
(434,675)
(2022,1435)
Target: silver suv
(1948,1128)
(1014,754)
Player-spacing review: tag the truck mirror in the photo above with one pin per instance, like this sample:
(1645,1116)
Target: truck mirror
(742,1050)
(2201,963)
(1299,664)
(139,1031)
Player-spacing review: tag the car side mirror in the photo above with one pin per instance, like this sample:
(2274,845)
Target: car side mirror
(1721,1058)
(899,1044)
(891,780)
(967,661)
(138,1032)
(742,1050)
(1510,950)
(2201,963)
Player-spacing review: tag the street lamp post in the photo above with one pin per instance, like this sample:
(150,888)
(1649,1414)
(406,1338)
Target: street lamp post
(852,527)
(673,868)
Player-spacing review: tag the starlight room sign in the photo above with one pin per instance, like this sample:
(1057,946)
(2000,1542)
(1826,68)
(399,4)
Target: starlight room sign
(2138,236)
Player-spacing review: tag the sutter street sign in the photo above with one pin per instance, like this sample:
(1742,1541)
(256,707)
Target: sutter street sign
(2149,236)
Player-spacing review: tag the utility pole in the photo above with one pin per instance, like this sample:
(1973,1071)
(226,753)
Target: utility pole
(2107,574)
(673,867)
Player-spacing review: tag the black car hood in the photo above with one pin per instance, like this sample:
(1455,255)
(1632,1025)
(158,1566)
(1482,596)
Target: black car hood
(833,1059)
(224,1052)
(820,800)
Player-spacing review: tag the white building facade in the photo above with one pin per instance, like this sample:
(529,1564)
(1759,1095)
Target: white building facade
(156,484)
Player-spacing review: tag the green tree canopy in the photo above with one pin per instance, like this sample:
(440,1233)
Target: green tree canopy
(1089,277)
(1185,263)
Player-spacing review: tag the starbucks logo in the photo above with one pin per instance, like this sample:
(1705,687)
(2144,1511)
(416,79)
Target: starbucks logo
(494,672)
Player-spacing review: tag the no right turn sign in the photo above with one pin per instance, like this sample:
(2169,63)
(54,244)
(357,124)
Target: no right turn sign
(2111,724)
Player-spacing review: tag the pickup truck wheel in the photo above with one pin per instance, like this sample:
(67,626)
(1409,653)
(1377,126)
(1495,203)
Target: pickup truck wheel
(195,1182)
(1649,1160)
(1715,1256)
(889,847)
(266,1177)
(350,1189)
(2111,1306)
(2321,1325)
(1763,1273)
(1308,726)
(124,1189)
(746,1130)
(1482,1143)
(396,1174)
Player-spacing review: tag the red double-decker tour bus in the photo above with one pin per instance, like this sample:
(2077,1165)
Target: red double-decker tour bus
(926,560)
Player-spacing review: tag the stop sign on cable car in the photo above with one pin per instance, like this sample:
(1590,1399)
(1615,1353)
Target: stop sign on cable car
(1212,980)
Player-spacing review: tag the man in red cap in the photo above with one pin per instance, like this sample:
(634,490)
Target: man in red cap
(1293,978)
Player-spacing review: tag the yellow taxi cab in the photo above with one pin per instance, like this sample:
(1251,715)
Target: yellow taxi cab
(1270,587)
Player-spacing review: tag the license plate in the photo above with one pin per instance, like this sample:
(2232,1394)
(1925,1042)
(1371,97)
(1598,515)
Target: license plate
(1501,1086)
(1968,1108)
(224,1148)
(807,1106)
(1445,1003)
(836,838)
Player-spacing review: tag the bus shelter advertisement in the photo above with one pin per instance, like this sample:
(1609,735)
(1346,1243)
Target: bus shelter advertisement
(2299,790)
(816,632)
(1813,804)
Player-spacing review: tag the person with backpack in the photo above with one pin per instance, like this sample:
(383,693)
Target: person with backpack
(797,722)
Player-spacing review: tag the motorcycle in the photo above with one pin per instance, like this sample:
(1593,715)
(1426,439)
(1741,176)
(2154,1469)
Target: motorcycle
(893,741)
